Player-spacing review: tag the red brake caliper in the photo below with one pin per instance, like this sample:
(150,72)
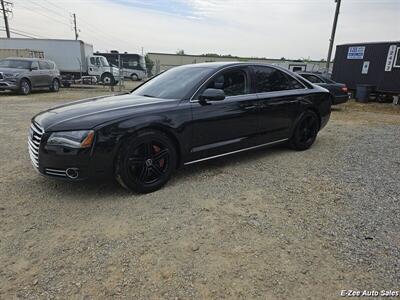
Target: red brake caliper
(157,150)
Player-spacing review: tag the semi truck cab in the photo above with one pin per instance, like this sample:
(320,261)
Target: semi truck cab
(98,66)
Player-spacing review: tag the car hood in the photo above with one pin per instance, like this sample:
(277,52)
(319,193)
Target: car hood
(12,70)
(92,112)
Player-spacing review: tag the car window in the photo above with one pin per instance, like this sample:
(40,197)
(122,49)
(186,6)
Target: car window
(15,63)
(52,65)
(312,78)
(268,79)
(233,83)
(35,65)
(92,61)
(98,62)
(44,65)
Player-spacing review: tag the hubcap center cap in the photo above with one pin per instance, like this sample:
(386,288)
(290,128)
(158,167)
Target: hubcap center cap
(149,162)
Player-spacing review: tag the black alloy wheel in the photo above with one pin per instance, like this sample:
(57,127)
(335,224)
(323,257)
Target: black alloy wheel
(306,131)
(146,163)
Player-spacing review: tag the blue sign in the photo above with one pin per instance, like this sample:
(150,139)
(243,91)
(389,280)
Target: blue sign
(356,52)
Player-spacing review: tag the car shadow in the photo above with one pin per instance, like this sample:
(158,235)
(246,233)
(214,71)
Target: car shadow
(13,93)
(105,188)
(336,108)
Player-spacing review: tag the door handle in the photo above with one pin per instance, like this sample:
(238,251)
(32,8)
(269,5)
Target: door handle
(250,107)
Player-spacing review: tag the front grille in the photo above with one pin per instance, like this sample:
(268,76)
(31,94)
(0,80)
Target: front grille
(56,172)
(35,136)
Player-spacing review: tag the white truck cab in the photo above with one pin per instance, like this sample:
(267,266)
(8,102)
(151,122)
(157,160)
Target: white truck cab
(98,66)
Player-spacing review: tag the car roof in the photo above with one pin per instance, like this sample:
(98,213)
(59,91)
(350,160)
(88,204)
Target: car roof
(310,73)
(223,64)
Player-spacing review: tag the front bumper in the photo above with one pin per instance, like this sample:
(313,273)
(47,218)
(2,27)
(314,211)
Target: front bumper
(8,85)
(55,161)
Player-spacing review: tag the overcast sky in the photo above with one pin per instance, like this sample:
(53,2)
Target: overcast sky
(263,28)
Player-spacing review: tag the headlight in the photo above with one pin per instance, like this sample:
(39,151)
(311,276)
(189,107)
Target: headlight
(9,75)
(72,139)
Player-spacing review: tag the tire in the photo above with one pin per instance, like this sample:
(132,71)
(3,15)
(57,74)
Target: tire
(134,77)
(146,161)
(25,87)
(107,79)
(55,85)
(306,131)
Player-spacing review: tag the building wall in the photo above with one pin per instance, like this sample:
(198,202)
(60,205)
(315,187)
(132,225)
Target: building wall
(4,53)
(165,61)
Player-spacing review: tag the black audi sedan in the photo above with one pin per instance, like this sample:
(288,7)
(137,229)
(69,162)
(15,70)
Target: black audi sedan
(185,115)
(338,91)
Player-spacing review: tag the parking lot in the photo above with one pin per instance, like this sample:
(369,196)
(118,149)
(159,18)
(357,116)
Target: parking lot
(269,224)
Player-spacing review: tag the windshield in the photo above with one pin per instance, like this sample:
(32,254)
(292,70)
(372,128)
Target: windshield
(175,83)
(104,61)
(15,63)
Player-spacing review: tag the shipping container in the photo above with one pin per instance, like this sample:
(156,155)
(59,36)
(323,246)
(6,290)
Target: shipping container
(373,64)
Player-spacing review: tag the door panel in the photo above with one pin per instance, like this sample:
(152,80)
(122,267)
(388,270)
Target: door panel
(224,126)
(279,95)
(35,76)
(278,111)
(45,77)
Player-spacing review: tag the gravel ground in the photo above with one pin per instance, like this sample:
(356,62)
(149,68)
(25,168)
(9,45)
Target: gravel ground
(268,224)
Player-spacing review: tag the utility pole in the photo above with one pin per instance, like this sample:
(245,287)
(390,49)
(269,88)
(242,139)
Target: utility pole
(332,39)
(5,11)
(76,30)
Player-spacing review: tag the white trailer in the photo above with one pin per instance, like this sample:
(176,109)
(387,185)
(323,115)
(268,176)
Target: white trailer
(74,59)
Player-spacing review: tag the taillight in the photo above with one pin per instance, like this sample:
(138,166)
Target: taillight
(344,89)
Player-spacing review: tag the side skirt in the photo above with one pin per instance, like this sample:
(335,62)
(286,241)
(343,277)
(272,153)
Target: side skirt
(236,151)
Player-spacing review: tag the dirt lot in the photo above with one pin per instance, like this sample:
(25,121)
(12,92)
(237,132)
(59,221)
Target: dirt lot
(270,224)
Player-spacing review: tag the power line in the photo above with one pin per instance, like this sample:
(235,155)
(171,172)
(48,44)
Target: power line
(20,34)
(34,10)
(47,8)
(106,37)
(25,32)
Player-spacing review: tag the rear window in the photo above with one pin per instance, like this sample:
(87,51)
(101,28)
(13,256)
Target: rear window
(328,80)
(312,78)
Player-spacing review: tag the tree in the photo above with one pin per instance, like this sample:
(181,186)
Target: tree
(149,65)
(180,52)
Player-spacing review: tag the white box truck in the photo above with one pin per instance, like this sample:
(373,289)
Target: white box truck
(74,59)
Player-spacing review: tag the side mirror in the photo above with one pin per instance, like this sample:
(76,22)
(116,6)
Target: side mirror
(212,95)
(34,68)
